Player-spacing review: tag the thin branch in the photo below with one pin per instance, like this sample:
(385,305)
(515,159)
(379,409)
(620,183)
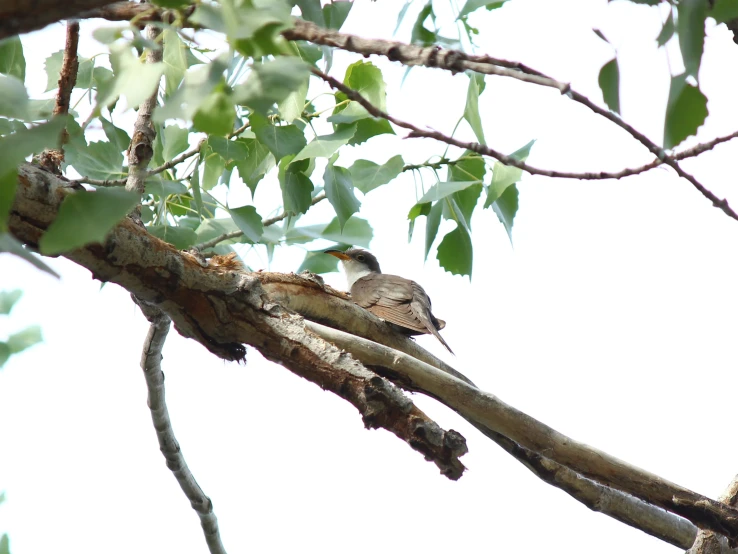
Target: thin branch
(141,148)
(508,160)
(165,166)
(151,364)
(52,159)
(266,223)
(482,408)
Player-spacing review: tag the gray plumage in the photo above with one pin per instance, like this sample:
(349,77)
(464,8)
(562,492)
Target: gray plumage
(397,300)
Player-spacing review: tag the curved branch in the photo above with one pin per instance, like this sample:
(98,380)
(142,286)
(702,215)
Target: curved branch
(482,408)
(151,364)
(224,309)
(509,160)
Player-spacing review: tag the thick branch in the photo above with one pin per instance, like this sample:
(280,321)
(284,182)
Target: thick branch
(483,408)
(151,364)
(225,309)
(17,16)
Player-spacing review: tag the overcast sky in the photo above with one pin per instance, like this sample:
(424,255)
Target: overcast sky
(611,319)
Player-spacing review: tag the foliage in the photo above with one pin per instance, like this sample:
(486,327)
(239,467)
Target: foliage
(249,116)
(20,340)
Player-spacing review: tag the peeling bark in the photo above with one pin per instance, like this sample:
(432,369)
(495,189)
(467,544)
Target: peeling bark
(224,309)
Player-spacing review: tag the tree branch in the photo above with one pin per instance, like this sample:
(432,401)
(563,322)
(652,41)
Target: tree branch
(508,160)
(224,309)
(16,16)
(141,148)
(52,159)
(151,364)
(708,542)
(266,223)
(482,408)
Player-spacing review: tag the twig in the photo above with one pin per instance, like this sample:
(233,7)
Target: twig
(508,160)
(266,223)
(151,364)
(141,148)
(165,166)
(52,159)
(485,409)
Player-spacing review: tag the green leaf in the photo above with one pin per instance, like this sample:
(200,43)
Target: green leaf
(336,13)
(211,228)
(468,167)
(215,115)
(132,78)
(455,252)
(432,223)
(87,217)
(691,28)
(667,31)
(296,188)
(214,166)
(117,137)
(506,206)
(12,61)
(196,194)
(504,176)
(368,128)
(609,81)
(174,58)
(311,11)
(8,298)
(200,84)
(24,339)
(326,145)
(181,237)
(4,355)
(366,78)
(474,5)
(171,3)
(4,540)
(356,232)
(248,221)
(292,106)
(443,189)
(230,150)
(471,111)
(281,141)
(99,160)
(367,175)
(724,11)
(271,82)
(257,163)
(686,111)
(13,98)
(164,187)
(85,71)
(9,244)
(8,126)
(421,35)
(340,193)
(318,262)
(174,140)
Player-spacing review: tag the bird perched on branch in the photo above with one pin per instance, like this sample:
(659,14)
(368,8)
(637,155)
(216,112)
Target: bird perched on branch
(397,300)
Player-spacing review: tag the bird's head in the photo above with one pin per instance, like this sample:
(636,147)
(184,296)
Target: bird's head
(356,262)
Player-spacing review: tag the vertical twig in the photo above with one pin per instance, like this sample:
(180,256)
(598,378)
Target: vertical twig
(141,149)
(151,364)
(51,159)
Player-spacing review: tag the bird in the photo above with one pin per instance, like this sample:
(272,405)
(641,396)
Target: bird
(399,301)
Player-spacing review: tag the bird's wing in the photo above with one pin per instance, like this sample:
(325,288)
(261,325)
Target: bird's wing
(389,297)
(421,307)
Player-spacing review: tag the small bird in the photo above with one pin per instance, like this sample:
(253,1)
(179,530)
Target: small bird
(399,301)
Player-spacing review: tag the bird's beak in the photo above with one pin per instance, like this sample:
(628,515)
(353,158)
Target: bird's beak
(338,254)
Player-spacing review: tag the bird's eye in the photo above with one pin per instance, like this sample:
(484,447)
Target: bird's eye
(361,257)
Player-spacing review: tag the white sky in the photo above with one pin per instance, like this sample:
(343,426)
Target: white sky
(611,319)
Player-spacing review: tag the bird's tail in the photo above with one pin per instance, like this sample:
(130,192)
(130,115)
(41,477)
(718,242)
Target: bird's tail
(440,338)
